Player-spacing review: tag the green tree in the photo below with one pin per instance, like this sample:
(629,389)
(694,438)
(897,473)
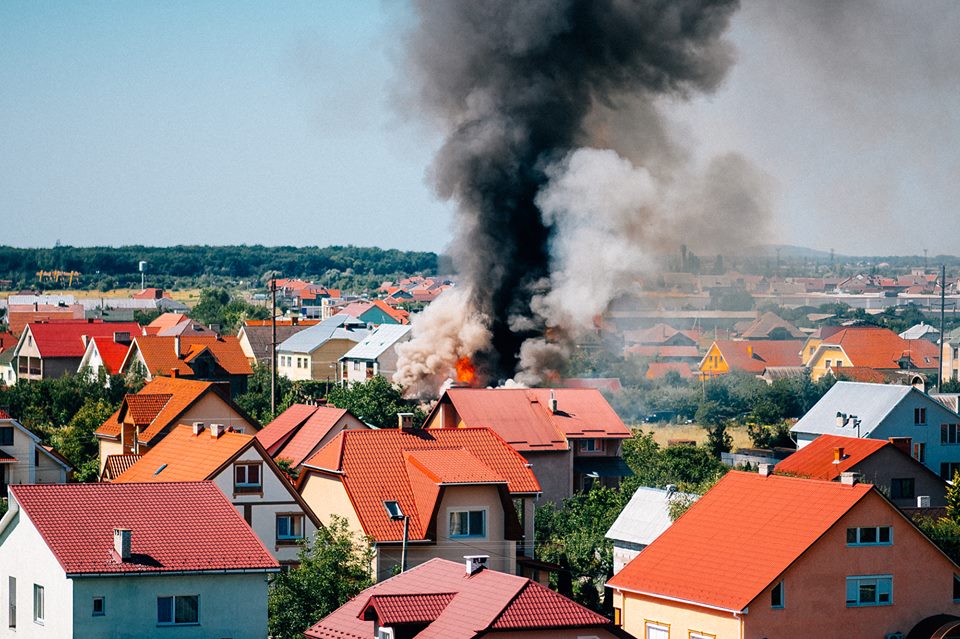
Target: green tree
(333,569)
(375,401)
(76,440)
(953,499)
(256,400)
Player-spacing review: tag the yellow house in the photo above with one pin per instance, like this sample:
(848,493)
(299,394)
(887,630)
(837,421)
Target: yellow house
(751,356)
(872,347)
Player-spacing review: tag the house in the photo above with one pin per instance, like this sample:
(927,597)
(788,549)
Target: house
(105,354)
(448,492)
(750,356)
(164,322)
(8,369)
(771,326)
(888,465)
(25,460)
(375,355)
(243,471)
(922,331)
(163,404)
(99,561)
(603,384)
(376,312)
(256,337)
(211,358)
(315,352)
(116,465)
(872,347)
(642,520)
(461,600)
(300,431)
(570,436)
(19,315)
(773,556)
(661,334)
(55,348)
(908,416)
(950,368)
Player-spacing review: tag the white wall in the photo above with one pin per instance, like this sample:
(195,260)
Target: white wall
(24,471)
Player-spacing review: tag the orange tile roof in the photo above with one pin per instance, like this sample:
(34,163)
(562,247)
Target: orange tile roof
(183,456)
(859,374)
(816,459)
(144,408)
(310,434)
(115,465)
(401,465)
(755,355)
(756,525)
(164,321)
(160,356)
(522,416)
(875,347)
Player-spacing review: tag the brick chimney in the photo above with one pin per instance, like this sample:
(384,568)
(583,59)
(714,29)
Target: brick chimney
(121,543)
(765,470)
(405,421)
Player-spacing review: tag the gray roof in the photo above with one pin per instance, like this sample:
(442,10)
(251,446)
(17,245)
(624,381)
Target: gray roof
(645,517)
(261,336)
(382,338)
(919,331)
(339,326)
(871,403)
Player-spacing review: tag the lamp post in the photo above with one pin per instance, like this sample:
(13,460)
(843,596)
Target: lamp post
(396,514)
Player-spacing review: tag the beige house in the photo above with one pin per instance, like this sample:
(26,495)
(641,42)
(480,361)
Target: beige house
(314,353)
(25,460)
(436,494)
(165,403)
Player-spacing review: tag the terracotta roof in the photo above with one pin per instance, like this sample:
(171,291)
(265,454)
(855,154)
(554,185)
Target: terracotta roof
(456,605)
(760,525)
(309,435)
(183,456)
(115,465)
(874,347)
(144,408)
(755,355)
(4,414)
(260,336)
(523,417)
(275,434)
(6,457)
(64,338)
(111,352)
(161,357)
(164,321)
(766,324)
(174,527)
(816,459)
(402,465)
(859,374)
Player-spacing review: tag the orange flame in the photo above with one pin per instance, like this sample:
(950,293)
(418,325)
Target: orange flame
(466,372)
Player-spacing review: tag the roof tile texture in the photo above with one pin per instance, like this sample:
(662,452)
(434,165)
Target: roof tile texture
(185,456)
(64,338)
(816,459)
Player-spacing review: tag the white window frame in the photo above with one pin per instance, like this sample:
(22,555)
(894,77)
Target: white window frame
(247,485)
(656,626)
(876,530)
(293,517)
(920,415)
(173,611)
(452,511)
(39,604)
(859,580)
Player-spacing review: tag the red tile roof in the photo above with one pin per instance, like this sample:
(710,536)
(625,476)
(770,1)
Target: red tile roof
(816,459)
(160,355)
(754,356)
(874,347)
(309,435)
(275,434)
(111,353)
(183,456)
(523,417)
(4,414)
(401,465)
(174,527)
(457,606)
(64,338)
(759,525)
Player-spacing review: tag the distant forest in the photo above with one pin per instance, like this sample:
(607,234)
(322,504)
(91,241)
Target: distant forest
(104,268)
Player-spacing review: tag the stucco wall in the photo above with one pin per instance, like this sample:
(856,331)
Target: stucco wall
(326,497)
(815,587)
(887,464)
(682,619)
(108,447)
(554,471)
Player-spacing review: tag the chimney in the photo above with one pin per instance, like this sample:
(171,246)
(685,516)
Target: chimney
(553,401)
(841,420)
(176,346)
(216,430)
(837,454)
(849,479)
(475,563)
(121,337)
(765,470)
(405,421)
(749,350)
(121,543)
(197,428)
(174,372)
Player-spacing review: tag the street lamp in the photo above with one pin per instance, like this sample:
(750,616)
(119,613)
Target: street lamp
(396,514)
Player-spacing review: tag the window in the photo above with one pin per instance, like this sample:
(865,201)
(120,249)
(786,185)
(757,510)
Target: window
(289,527)
(468,523)
(870,536)
(6,436)
(950,433)
(828,363)
(356,366)
(776,596)
(38,603)
(654,630)
(36,456)
(902,488)
(919,415)
(695,634)
(618,613)
(12,601)
(869,591)
(247,478)
(920,451)
(99,609)
(178,610)
(591,445)
(956,588)
(948,470)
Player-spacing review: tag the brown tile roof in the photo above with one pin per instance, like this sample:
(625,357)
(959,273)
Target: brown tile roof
(115,465)
(144,408)
(754,356)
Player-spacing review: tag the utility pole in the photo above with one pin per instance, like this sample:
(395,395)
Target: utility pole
(943,303)
(273,347)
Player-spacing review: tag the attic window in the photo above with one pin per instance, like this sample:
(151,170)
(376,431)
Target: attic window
(393,509)
(159,470)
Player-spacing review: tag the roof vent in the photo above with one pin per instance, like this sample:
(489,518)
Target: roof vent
(553,401)
(849,479)
(405,421)
(475,563)
(216,430)
(197,428)
(765,470)
(121,543)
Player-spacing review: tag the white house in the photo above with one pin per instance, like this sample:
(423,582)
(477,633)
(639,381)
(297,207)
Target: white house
(908,417)
(243,471)
(375,355)
(90,561)
(24,460)
(642,520)
(314,353)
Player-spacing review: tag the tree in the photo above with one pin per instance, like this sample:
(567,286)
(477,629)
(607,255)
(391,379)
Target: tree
(375,401)
(256,400)
(953,499)
(333,569)
(76,440)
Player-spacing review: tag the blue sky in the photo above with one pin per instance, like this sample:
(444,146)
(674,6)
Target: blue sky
(271,122)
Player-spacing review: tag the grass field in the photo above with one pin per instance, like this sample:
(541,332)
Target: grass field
(663,433)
